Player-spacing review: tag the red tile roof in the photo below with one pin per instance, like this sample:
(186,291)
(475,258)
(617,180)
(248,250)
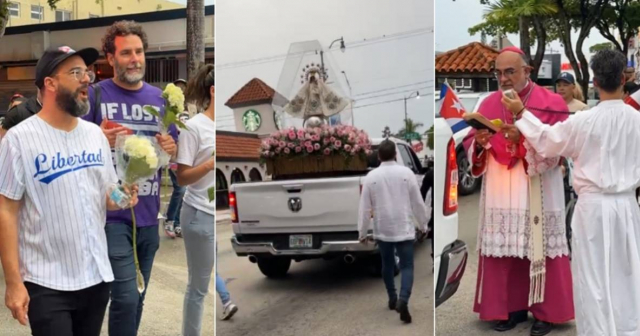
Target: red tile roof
(237,146)
(474,57)
(253,93)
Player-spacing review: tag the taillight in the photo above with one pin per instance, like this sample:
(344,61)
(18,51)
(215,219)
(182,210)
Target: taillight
(233,205)
(451,181)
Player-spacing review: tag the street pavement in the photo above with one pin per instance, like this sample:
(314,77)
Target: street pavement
(318,297)
(162,314)
(456,317)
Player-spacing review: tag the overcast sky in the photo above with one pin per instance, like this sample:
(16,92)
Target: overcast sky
(389,69)
(451,34)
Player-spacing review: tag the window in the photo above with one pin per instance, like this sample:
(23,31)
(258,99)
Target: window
(14,9)
(63,16)
(405,153)
(37,12)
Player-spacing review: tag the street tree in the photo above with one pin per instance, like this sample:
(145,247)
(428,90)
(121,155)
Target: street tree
(195,35)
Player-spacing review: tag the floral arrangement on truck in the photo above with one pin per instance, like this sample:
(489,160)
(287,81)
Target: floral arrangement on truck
(316,150)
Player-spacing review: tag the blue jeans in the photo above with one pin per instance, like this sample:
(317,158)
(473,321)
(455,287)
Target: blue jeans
(405,253)
(221,288)
(175,204)
(125,311)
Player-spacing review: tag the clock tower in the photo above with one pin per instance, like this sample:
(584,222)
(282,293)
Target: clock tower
(253,109)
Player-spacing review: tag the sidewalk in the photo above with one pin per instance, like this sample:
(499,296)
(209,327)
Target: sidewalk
(222,216)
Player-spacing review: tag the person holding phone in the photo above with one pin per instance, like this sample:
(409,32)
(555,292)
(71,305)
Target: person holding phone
(511,280)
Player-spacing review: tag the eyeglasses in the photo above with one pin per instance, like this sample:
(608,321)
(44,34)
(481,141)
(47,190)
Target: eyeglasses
(507,73)
(79,74)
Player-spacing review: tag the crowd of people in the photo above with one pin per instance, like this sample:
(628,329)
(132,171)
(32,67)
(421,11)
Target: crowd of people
(66,247)
(525,264)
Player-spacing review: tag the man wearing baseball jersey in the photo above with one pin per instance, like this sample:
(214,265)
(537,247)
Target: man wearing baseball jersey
(56,173)
(119,101)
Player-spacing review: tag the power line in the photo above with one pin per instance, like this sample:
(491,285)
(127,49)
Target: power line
(385,102)
(352,45)
(393,88)
(394,93)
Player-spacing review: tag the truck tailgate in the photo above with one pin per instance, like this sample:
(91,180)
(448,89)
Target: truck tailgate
(312,205)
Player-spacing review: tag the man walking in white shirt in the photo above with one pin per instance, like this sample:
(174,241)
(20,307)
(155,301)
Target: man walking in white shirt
(56,174)
(391,200)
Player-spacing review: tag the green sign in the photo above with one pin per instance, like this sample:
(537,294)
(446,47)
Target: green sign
(413,136)
(251,120)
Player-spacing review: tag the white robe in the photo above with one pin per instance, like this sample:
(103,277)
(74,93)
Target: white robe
(604,144)
(503,230)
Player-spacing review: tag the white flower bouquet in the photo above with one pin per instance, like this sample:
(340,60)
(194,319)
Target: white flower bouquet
(174,106)
(138,158)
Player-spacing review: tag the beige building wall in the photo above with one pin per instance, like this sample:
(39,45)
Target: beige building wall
(85,9)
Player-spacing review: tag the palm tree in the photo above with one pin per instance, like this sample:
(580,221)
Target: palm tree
(410,127)
(525,12)
(195,38)
(430,138)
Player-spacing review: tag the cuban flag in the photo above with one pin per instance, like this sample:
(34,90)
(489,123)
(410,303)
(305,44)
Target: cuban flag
(451,109)
(634,100)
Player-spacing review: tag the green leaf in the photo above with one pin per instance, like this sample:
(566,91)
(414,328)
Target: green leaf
(151,110)
(212,193)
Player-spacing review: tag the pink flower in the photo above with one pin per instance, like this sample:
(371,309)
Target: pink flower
(316,138)
(282,144)
(300,134)
(308,144)
(287,150)
(333,139)
(307,136)
(338,143)
(316,146)
(356,148)
(291,145)
(326,141)
(310,149)
(278,150)
(298,149)
(292,135)
(368,152)
(347,147)
(327,151)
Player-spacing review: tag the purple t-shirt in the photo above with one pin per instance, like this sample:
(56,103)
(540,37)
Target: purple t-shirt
(126,108)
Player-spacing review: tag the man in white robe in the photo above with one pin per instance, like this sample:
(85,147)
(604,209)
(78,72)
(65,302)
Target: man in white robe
(604,143)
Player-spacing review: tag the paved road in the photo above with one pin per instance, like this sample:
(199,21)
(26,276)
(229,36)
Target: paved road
(319,298)
(163,305)
(455,317)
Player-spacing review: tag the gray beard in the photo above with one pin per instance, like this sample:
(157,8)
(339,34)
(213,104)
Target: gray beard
(122,75)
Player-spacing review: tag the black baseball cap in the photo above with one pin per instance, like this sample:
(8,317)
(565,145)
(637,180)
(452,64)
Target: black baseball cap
(52,57)
(567,77)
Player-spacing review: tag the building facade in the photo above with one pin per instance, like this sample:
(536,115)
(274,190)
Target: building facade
(28,12)
(22,46)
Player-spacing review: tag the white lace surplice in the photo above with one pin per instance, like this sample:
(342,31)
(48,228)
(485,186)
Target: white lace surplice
(503,230)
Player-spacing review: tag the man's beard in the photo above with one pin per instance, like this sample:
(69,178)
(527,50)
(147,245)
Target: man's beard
(71,103)
(132,79)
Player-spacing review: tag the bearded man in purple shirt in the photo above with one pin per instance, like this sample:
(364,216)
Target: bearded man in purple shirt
(119,101)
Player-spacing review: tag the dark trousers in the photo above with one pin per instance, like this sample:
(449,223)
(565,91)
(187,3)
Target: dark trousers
(125,311)
(67,313)
(404,249)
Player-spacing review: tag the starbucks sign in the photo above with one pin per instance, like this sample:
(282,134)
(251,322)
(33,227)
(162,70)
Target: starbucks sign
(251,120)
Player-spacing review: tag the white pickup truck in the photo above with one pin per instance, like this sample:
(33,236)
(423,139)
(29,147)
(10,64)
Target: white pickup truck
(275,222)
(450,253)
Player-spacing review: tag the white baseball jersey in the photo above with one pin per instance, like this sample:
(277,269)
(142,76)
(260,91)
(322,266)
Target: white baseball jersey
(63,179)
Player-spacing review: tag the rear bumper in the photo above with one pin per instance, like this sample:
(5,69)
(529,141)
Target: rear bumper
(452,265)
(326,247)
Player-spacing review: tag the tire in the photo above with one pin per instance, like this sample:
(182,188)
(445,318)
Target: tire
(375,266)
(467,184)
(274,267)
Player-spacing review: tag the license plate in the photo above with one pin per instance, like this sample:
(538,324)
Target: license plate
(301,241)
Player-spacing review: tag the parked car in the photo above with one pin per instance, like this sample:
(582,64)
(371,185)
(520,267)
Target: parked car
(451,254)
(471,102)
